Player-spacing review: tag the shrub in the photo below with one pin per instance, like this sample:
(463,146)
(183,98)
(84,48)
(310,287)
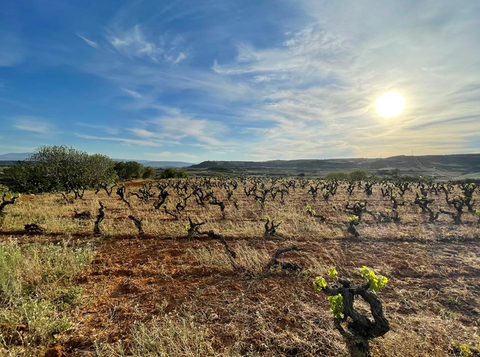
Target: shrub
(358,175)
(129,170)
(59,168)
(172,173)
(149,173)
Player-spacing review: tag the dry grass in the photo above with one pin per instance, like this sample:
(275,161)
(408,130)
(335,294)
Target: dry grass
(164,295)
(36,290)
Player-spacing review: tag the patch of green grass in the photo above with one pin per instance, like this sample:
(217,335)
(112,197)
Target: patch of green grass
(35,291)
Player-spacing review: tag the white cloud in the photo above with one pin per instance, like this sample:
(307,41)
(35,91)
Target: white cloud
(181,56)
(106,128)
(173,124)
(89,42)
(131,92)
(134,43)
(125,141)
(143,133)
(201,129)
(33,124)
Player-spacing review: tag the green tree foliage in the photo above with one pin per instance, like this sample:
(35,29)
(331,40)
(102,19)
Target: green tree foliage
(149,173)
(358,175)
(25,177)
(59,168)
(100,170)
(172,173)
(129,170)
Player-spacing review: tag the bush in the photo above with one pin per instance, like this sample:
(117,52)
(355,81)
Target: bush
(25,177)
(149,173)
(59,168)
(172,173)
(358,175)
(129,170)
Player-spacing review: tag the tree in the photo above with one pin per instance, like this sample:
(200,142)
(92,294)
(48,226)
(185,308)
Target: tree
(358,175)
(62,168)
(25,177)
(100,171)
(129,170)
(59,168)
(172,173)
(149,173)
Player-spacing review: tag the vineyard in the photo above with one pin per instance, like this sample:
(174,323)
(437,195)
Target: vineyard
(242,267)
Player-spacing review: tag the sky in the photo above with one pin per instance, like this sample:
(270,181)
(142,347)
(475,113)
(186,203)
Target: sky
(195,80)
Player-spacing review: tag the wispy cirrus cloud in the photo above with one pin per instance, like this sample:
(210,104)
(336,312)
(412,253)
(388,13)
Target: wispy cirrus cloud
(109,129)
(33,124)
(131,92)
(203,130)
(126,141)
(182,128)
(133,42)
(143,133)
(89,42)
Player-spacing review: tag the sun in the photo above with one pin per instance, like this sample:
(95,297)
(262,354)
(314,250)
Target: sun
(390,105)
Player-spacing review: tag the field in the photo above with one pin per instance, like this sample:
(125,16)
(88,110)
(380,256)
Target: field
(67,292)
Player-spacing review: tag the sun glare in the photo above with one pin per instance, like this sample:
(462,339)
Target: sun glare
(390,105)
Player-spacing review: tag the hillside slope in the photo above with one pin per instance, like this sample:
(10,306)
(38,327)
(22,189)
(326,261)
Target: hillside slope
(440,166)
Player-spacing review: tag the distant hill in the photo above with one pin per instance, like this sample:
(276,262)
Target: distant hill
(15,156)
(440,166)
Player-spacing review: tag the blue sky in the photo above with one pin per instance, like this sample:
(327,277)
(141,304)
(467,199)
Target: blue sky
(239,80)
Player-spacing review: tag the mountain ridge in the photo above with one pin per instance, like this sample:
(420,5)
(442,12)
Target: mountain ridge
(448,166)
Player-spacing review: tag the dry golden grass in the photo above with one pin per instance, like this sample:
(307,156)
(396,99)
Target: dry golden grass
(164,295)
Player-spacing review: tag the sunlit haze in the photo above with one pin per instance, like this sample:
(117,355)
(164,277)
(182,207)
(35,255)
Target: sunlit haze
(390,105)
